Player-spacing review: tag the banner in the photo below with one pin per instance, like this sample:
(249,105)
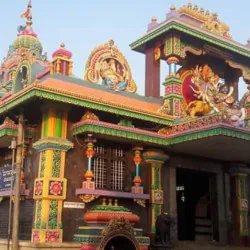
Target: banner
(5,178)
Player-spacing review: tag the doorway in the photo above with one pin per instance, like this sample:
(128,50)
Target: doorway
(120,243)
(196,205)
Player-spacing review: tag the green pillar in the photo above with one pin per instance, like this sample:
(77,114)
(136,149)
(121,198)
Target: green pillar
(50,187)
(239,174)
(155,158)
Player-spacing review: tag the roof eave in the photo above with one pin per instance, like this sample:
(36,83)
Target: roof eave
(196,32)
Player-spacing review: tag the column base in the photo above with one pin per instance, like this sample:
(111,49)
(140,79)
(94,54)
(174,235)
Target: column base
(88,185)
(47,235)
(137,190)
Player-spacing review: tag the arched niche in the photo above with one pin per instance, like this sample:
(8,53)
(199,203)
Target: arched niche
(22,79)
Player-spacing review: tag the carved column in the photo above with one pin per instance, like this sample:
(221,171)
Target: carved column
(155,158)
(173,94)
(137,188)
(89,183)
(50,186)
(239,202)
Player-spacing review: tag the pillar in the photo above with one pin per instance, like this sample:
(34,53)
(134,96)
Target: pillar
(50,186)
(152,78)
(240,227)
(137,188)
(173,93)
(155,158)
(90,152)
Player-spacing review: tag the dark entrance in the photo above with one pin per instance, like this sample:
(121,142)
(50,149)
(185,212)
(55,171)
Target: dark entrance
(196,205)
(120,243)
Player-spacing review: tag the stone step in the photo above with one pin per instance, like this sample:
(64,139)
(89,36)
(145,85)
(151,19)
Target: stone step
(204,246)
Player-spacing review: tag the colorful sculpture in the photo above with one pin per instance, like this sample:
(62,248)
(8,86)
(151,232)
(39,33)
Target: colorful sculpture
(112,76)
(209,94)
(108,65)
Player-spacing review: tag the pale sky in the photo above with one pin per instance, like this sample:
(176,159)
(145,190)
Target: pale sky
(82,25)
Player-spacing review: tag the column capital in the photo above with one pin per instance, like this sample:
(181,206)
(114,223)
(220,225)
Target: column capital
(155,156)
(239,169)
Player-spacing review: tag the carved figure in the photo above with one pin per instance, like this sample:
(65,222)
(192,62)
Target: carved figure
(196,108)
(111,76)
(108,64)
(211,95)
(162,225)
(224,97)
(237,115)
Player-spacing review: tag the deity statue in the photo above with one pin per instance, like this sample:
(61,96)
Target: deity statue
(211,95)
(112,77)
(237,115)
(223,97)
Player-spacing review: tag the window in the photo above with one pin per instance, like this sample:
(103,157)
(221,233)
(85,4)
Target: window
(109,168)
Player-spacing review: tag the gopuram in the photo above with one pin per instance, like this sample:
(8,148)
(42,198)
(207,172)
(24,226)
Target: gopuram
(99,167)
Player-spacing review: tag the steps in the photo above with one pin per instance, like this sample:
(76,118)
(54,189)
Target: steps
(184,245)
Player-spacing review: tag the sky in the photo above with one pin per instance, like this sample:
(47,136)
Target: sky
(83,25)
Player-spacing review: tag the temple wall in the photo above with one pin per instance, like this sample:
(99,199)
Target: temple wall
(76,166)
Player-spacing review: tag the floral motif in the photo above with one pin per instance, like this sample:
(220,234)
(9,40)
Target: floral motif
(56,188)
(53,210)
(56,164)
(36,236)
(42,164)
(52,237)
(39,214)
(39,188)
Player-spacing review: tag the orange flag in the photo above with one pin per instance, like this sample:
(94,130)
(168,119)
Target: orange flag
(27,12)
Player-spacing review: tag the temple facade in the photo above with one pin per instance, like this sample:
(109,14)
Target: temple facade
(95,164)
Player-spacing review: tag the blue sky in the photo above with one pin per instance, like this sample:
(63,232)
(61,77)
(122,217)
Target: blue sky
(82,25)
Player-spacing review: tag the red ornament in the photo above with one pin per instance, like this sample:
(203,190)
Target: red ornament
(52,237)
(39,188)
(56,188)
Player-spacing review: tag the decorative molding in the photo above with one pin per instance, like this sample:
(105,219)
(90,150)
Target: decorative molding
(52,143)
(194,129)
(109,193)
(118,227)
(196,32)
(116,130)
(41,91)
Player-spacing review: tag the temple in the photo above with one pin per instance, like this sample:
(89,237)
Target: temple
(96,164)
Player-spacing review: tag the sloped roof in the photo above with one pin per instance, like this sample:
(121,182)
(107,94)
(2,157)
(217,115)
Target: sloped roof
(101,94)
(174,22)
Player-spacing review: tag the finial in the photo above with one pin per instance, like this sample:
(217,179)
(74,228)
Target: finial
(196,8)
(202,11)
(215,15)
(207,13)
(27,14)
(248,41)
(154,19)
(172,8)
(189,5)
(62,45)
